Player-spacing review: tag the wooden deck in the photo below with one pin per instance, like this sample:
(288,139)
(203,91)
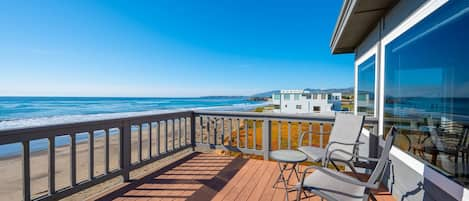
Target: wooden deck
(205,176)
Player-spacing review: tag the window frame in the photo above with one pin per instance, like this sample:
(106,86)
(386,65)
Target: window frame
(362,60)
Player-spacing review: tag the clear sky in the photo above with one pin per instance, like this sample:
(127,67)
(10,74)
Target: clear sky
(168,47)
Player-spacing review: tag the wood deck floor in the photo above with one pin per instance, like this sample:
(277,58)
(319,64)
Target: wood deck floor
(205,176)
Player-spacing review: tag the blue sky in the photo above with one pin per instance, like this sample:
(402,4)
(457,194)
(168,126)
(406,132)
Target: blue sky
(168,48)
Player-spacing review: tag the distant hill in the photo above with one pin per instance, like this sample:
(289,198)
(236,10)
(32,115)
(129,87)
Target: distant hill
(333,90)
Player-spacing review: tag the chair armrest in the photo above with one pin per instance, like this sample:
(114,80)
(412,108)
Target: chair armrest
(341,143)
(335,176)
(327,153)
(351,154)
(300,139)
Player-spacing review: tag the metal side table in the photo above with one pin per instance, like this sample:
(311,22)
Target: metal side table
(285,158)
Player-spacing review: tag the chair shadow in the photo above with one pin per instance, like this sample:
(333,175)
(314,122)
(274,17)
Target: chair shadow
(198,176)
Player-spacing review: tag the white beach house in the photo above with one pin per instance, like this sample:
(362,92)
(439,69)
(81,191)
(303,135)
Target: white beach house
(411,71)
(303,101)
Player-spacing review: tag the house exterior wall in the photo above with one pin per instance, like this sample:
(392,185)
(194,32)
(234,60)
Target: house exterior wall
(408,178)
(299,101)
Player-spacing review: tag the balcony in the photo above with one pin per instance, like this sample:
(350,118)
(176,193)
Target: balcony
(182,144)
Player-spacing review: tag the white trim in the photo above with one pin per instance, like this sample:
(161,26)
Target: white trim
(410,161)
(465,195)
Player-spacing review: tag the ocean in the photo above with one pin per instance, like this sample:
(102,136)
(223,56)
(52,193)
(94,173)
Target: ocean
(18,112)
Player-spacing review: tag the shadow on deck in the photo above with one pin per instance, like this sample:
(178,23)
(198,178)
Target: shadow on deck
(206,176)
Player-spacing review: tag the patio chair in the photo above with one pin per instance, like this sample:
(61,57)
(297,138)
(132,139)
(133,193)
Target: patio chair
(344,135)
(335,186)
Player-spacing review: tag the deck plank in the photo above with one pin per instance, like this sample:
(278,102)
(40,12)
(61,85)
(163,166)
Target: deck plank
(265,182)
(233,182)
(253,181)
(236,190)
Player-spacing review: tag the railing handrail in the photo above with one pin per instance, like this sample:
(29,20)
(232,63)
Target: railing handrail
(277,116)
(98,123)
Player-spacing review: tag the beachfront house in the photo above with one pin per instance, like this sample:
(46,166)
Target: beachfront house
(411,70)
(304,101)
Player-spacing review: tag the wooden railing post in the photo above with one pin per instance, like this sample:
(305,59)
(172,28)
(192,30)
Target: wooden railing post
(193,131)
(51,165)
(26,172)
(125,142)
(73,160)
(266,138)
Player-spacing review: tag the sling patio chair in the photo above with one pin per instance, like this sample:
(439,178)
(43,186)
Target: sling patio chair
(336,186)
(345,135)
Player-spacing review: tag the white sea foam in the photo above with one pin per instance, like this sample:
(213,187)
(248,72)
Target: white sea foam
(52,120)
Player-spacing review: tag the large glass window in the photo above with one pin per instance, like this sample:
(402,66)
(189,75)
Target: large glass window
(427,90)
(286,96)
(366,87)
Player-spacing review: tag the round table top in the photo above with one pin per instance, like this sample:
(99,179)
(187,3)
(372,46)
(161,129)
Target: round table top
(288,156)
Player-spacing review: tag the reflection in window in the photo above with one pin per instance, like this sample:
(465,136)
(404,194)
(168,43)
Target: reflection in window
(276,96)
(366,87)
(286,96)
(427,90)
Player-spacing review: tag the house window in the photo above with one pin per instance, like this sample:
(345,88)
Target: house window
(298,107)
(426,89)
(323,96)
(286,96)
(316,109)
(276,96)
(308,96)
(296,97)
(366,87)
(315,96)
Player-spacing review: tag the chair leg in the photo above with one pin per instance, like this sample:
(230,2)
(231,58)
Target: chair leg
(298,194)
(352,168)
(368,196)
(337,168)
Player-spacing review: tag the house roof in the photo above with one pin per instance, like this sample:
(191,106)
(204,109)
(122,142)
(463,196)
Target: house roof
(356,19)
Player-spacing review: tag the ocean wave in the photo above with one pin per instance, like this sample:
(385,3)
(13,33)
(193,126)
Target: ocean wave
(61,119)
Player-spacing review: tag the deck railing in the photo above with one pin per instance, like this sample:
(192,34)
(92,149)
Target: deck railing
(246,132)
(259,133)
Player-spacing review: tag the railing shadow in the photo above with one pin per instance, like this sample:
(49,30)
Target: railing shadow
(198,176)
